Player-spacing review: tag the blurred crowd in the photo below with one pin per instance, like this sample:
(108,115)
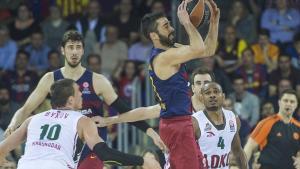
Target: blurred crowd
(258,53)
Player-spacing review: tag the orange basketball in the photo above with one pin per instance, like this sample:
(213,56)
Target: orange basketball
(200,13)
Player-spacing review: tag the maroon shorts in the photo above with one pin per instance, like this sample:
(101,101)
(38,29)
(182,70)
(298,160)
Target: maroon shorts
(91,161)
(178,135)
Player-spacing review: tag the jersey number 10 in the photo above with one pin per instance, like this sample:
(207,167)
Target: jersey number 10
(52,132)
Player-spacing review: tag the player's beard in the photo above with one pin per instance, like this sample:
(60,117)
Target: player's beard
(167,41)
(73,65)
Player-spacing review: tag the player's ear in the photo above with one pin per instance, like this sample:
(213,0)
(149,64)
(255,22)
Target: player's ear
(153,36)
(193,88)
(62,50)
(70,100)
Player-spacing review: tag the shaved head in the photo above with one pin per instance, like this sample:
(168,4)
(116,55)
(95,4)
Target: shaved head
(211,85)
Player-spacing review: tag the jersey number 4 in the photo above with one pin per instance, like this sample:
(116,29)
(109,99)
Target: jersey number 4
(221,143)
(52,132)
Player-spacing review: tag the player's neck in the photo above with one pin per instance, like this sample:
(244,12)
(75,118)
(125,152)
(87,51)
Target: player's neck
(285,117)
(160,46)
(216,116)
(72,72)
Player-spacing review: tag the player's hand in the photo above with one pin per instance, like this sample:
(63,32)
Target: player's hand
(10,129)
(215,15)
(156,139)
(297,160)
(182,13)
(100,121)
(150,162)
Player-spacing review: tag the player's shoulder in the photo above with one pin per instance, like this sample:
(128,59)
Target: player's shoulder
(198,113)
(48,76)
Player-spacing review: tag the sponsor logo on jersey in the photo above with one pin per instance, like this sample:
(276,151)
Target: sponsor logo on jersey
(279,134)
(296,136)
(86,89)
(231,126)
(207,127)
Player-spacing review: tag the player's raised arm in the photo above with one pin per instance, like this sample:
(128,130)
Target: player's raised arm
(211,39)
(237,149)
(88,132)
(34,100)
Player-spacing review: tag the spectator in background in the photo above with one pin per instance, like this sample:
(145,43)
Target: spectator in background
(294,51)
(282,22)
(284,70)
(112,50)
(123,78)
(245,127)
(283,84)
(8,50)
(94,63)
(126,21)
(91,26)
(265,52)
(246,104)
(220,76)
(230,50)
(54,28)
(254,75)
(267,109)
(54,61)
(21,81)
(158,6)
(23,26)
(140,51)
(7,107)
(72,9)
(38,52)
(243,21)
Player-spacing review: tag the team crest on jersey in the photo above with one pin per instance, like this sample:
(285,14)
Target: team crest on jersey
(207,127)
(231,126)
(210,134)
(86,89)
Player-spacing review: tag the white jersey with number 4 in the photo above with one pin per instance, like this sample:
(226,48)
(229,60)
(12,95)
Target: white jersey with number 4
(215,141)
(52,136)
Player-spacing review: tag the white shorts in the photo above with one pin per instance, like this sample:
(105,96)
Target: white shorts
(42,164)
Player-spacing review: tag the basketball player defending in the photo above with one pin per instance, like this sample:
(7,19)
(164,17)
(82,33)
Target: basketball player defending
(217,130)
(51,136)
(170,83)
(92,85)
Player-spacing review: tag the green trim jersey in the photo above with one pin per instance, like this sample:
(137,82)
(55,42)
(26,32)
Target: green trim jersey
(215,140)
(52,136)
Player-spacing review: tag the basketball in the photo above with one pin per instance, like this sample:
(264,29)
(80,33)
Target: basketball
(200,13)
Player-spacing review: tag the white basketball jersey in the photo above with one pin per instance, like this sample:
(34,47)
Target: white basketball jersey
(52,135)
(216,144)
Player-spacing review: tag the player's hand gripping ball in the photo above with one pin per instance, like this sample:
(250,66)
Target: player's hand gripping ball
(200,12)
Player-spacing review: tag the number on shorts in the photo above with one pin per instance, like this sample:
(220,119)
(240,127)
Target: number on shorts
(52,133)
(221,143)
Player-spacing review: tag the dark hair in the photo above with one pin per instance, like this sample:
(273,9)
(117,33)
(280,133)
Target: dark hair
(60,91)
(289,91)
(237,77)
(265,32)
(284,54)
(202,71)
(93,56)
(71,35)
(296,37)
(248,48)
(149,24)
(22,51)
(52,52)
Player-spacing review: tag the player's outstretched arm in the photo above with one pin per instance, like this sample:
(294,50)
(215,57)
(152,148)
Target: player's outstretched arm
(13,140)
(105,89)
(87,131)
(34,100)
(211,39)
(137,114)
(237,149)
